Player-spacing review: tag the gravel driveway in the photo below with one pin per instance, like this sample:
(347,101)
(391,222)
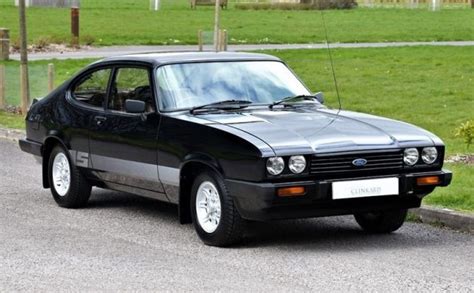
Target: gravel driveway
(123,242)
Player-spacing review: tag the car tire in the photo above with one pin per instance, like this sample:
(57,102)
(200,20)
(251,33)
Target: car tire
(209,195)
(381,222)
(68,186)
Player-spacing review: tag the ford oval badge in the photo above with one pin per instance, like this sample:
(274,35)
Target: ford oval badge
(359,162)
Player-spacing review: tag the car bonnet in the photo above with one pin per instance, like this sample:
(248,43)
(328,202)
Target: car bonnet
(309,130)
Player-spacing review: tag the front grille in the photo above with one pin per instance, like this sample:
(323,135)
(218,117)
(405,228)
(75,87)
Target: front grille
(340,164)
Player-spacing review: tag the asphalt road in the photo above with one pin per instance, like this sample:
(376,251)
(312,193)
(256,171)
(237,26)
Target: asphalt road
(101,52)
(123,242)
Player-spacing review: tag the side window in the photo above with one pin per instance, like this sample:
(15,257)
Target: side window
(92,89)
(133,84)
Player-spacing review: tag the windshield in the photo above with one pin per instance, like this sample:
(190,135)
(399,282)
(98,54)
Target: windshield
(188,85)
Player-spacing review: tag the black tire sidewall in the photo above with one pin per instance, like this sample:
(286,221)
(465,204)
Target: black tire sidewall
(219,235)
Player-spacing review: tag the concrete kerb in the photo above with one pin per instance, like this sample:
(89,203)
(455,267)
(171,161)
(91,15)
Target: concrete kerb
(12,134)
(445,217)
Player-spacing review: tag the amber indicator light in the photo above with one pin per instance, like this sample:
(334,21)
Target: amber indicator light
(291,191)
(430,180)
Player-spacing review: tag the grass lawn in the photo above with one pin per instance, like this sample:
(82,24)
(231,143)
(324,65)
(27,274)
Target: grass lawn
(38,76)
(11,120)
(131,22)
(460,194)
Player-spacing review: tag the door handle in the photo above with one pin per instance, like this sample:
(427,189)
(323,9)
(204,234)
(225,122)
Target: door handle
(99,120)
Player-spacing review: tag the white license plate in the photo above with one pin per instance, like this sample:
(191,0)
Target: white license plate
(364,188)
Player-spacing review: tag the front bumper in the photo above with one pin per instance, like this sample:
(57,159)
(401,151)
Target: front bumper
(259,201)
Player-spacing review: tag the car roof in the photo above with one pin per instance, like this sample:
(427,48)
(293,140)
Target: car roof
(186,57)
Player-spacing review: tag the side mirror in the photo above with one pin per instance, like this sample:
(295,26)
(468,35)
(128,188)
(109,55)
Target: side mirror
(135,106)
(320,97)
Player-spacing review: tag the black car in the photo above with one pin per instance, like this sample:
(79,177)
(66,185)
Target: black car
(230,138)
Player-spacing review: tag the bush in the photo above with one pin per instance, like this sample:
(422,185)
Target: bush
(15,44)
(466,131)
(42,42)
(330,4)
(87,40)
(305,5)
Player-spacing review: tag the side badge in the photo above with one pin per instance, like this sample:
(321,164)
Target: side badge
(82,159)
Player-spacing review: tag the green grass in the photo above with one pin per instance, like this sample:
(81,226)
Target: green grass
(11,120)
(131,22)
(38,76)
(460,194)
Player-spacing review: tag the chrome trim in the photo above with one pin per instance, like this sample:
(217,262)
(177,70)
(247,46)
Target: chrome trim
(61,174)
(208,207)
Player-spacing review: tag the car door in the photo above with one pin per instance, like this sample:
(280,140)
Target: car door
(87,94)
(123,145)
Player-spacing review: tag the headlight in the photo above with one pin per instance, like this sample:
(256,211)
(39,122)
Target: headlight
(429,155)
(410,156)
(275,165)
(297,164)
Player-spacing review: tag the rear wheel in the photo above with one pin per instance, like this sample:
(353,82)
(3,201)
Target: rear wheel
(215,218)
(68,186)
(381,222)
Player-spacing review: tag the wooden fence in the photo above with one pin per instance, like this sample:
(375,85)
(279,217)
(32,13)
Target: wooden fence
(410,3)
(51,3)
(363,2)
(41,83)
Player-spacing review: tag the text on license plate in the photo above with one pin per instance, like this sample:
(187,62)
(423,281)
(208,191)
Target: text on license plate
(364,188)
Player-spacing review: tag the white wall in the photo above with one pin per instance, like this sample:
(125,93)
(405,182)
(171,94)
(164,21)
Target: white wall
(27,2)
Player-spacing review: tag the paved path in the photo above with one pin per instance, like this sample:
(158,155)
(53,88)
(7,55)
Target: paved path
(122,242)
(122,50)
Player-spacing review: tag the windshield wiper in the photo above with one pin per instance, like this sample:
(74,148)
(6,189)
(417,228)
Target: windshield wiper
(223,105)
(291,98)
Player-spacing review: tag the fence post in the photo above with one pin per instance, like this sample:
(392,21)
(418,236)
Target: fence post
(24,80)
(200,40)
(219,47)
(4,44)
(75,26)
(157,5)
(50,77)
(24,88)
(217,13)
(224,40)
(2,87)
(435,5)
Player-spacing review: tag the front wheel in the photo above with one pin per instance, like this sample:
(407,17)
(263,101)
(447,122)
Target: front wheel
(381,222)
(69,187)
(215,218)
